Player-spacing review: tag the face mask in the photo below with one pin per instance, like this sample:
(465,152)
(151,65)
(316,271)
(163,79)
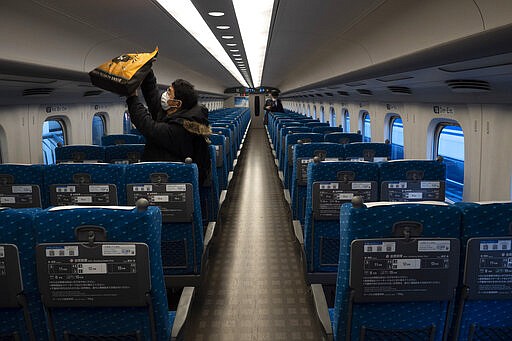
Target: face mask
(169,104)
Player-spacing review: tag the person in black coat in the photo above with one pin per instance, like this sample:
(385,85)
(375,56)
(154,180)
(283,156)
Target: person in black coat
(273,104)
(174,125)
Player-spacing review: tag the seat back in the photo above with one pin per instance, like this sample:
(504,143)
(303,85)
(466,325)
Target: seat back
(221,159)
(412,180)
(124,153)
(280,148)
(329,185)
(21,311)
(302,155)
(209,191)
(109,140)
(326,130)
(230,143)
(343,138)
(486,299)
(173,186)
(287,159)
(20,186)
(84,184)
(368,151)
(98,243)
(408,296)
(80,154)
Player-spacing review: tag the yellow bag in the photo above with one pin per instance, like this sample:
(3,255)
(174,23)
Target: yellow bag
(123,74)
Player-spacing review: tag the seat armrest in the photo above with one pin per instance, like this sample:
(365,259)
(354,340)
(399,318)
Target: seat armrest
(297,228)
(321,310)
(210,229)
(183,311)
(222,197)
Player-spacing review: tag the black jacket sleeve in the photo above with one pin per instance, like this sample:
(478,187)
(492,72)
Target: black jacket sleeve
(151,94)
(170,136)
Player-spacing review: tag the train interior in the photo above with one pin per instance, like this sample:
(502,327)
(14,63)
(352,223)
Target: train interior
(375,206)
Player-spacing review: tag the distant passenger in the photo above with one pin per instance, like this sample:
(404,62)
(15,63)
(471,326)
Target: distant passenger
(174,125)
(273,104)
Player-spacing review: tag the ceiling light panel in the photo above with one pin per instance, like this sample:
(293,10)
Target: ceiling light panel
(187,15)
(254,19)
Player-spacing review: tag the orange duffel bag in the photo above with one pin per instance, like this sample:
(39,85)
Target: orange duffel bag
(123,75)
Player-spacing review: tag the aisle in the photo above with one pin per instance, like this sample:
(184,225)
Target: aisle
(255,288)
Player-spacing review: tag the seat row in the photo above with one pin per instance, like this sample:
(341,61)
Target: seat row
(85,273)
(421,271)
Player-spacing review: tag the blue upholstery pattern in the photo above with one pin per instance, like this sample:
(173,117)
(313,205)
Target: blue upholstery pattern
(182,243)
(79,153)
(343,138)
(376,221)
(326,232)
(124,153)
(25,175)
(281,143)
(281,135)
(395,170)
(16,227)
(210,194)
(100,173)
(359,149)
(109,140)
(326,130)
(121,226)
(485,220)
(287,159)
(230,143)
(307,150)
(222,169)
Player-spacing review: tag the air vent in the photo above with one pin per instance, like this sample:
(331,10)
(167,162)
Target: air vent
(40,92)
(319,95)
(356,84)
(311,95)
(394,78)
(400,90)
(365,92)
(467,85)
(343,93)
(329,94)
(92,93)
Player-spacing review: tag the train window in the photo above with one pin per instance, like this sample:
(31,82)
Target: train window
(366,129)
(98,128)
(322,114)
(309,111)
(396,137)
(449,143)
(53,136)
(333,117)
(314,112)
(346,121)
(127,124)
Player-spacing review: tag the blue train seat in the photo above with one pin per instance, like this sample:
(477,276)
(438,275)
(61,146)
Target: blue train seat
(368,151)
(209,192)
(21,312)
(280,150)
(412,180)
(116,251)
(343,138)
(397,272)
(329,185)
(84,184)
(287,159)
(485,305)
(302,155)
(109,140)
(80,153)
(221,156)
(326,130)
(230,143)
(21,185)
(281,135)
(173,186)
(124,153)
